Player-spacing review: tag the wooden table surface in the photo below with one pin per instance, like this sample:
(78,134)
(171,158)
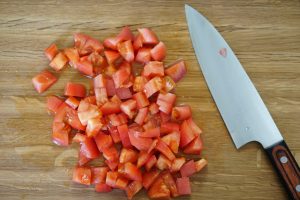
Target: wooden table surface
(264,34)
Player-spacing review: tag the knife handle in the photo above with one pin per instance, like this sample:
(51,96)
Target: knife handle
(287,168)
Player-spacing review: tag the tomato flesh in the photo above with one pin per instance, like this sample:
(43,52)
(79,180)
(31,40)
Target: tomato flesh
(43,81)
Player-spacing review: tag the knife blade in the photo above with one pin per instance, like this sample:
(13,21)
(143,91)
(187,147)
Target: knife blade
(241,107)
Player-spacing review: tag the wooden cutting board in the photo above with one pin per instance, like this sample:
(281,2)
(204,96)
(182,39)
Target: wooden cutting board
(264,34)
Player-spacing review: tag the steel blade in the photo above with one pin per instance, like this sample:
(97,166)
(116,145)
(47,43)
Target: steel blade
(242,109)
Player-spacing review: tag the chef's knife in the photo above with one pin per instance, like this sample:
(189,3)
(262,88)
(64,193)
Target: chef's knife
(242,109)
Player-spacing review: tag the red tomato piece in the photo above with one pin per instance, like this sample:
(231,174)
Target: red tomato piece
(177,164)
(195,147)
(53,103)
(72,119)
(125,34)
(101,96)
(75,90)
(128,107)
(82,159)
(123,93)
(85,67)
(111,43)
(128,155)
(149,177)
(142,158)
(164,149)
(165,102)
(114,120)
(73,55)
(90,100)
(126,50)
(143,55)
(72,102)
(102,187)
(133,188)
(120,77)
(139,83)
(60,133)
(110,108)
(188,169)
(193,126)
(153,145)
(170,183)
(112,164)
(137,42)
(163,162)
(164,116)
(140,117)
(153,108)
(59,61)
(110,153)
(159,190)
(103,141)
(148,36)
(121,183)
(140,143)
(153,68)
(79,137)
(150,162)
(93,126)
(43,81)
(183,185)
(89,148)
(123,118)
(131,172)
(172,140)
(168,127)
(86,44)
(200,164)
(141,100)
(114,134)
(51,51)
(186,134)
(168,84)
(123,132)
(99,174)
(111,178)
(154,132)
(110,87)
(153,86)
(181,112)
(111,56)
(176,70)
(82,175)
(99,81)
(159,52)
(90,112)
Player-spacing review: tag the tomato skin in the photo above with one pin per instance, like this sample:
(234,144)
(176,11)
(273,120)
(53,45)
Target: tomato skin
(176,71)
(60,133)
(183,185)
(59,61)
(123,132)
(150,162)
(82,175)
(188,169)
(200,164)
(126,50)
(102,187)
(143,55)
(159,52)
(172,140)
(75,90)
(43,81)
(195,147)
(181,112)
(133,188)
(148,36)
(103,141)
(98,174)
(149,177)
(186,134)
(53,103)
(159,190)
(164,149)
(128,155)
(89,148)
(177,163)
(153,68)
(51,51)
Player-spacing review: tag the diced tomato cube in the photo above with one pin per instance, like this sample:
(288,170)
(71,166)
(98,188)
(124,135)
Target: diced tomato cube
(177,70)
(102,187)
(149,177)
(159,52)
(140,143)
(188,169)
(53,103)
(131,172)
(111,178)
(159,190)
(183,185)
(73,119)
(110,153)
(165,102)
(168,127)
(141,100)
(128,155)
(79,137)
(60,133)
(164,149)
(128,107)
(170,183)
(75,90)
(123,132)
(73,55)
(114,134)
(82,159)
(137,42)
(143,55)
(150,162)
(59,61)
(153,68)
(172,140)
(89,148)
(163,162)
(139,83)
(177,163)
(193,126)
(111,43)
(181,112)
(86,44)
(152,86)
(153,145)
(194,147)
(120,77)
(133,188)
(85,67)
(82,175)
(111,56)
(153,108)
(165,117)
(110,87)
(93,127)
(123,93)
(43,81)
(72,102)
(112,164)
(168,84)
(121,183)
(154,132)
(140,117)
(99,174)
(126,50)
(103,141)
(51,51)
(148,36)
(90,112)
(143,158)
(110,108)
(200,164)
(186,134)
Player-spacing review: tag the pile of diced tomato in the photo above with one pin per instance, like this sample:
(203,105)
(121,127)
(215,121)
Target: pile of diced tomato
(128,116)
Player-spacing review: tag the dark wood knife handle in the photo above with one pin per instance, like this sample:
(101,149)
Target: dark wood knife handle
(286,167)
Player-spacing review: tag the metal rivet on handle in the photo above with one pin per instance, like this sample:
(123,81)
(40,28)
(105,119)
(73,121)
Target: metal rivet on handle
(283,159)
(298,188)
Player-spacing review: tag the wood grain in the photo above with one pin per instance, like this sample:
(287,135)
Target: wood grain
(265,35)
